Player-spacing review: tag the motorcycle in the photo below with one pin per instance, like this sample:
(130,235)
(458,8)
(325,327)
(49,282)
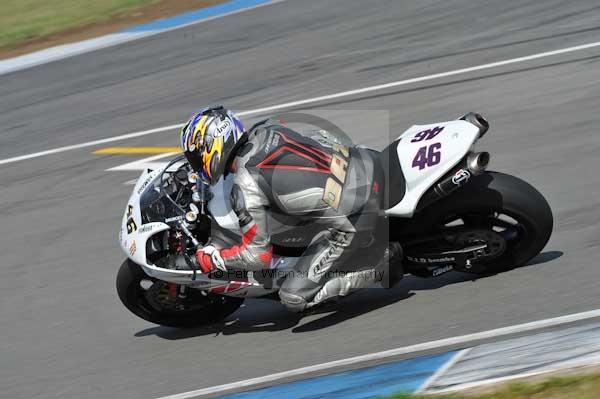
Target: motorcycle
(441,204)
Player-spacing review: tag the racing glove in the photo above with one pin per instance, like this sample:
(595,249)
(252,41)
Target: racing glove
(209,259)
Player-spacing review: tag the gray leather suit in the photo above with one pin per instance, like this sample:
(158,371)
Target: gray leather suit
(285,183)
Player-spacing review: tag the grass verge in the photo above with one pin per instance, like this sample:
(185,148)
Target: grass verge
(23,20)
(572,387)
(30,25)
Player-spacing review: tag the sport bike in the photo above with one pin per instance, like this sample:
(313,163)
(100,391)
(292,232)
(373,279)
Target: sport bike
(440,203)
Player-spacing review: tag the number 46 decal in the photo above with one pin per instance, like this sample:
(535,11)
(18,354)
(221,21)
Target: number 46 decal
(427,134)
(427,156)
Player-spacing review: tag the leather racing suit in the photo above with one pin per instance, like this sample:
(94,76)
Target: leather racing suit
(285,182)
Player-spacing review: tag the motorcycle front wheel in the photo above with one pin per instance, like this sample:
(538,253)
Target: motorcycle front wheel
(154,300)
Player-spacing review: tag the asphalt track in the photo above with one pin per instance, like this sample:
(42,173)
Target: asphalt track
(63,332)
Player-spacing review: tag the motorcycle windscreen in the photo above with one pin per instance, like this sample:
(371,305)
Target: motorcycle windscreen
(162,205)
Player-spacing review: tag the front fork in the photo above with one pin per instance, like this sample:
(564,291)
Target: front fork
(177,291)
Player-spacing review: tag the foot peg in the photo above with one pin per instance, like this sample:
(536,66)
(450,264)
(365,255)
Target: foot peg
(392,268)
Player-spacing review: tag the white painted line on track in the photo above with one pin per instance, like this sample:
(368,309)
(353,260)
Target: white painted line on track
(145,163)
(442,370)
(313,100)
(423,78)
(442,343)
(89,144)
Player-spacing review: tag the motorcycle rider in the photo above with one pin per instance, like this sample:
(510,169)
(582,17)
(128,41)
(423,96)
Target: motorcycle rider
(283,178)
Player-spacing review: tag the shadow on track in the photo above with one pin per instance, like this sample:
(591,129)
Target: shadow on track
(268,316)
(544,257)
(354,306)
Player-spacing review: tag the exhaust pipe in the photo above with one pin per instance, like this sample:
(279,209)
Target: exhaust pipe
(474,164)
(477,162)
(478,121)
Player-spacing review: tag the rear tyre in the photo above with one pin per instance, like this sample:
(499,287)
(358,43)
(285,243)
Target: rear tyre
(505,212)
(149,299)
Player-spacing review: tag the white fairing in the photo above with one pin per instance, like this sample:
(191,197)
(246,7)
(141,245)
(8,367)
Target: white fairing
(453,142)
(144,231)
(134,243)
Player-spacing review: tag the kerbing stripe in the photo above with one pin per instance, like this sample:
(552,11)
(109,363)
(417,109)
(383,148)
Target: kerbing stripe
(447,366)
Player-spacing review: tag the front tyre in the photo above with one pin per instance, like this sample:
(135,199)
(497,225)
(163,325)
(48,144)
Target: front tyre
(152,300)
(500,210)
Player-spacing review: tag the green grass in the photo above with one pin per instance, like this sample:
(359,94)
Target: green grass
(577,387)
(22,20)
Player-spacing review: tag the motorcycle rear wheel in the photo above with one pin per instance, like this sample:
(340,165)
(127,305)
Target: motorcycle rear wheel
(145,297)
(500,207)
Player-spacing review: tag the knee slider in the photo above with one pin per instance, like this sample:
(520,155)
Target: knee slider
(291,301)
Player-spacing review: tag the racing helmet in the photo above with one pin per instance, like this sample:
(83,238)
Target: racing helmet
(209,141)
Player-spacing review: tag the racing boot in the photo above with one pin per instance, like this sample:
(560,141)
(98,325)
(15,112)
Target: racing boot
(344,285)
